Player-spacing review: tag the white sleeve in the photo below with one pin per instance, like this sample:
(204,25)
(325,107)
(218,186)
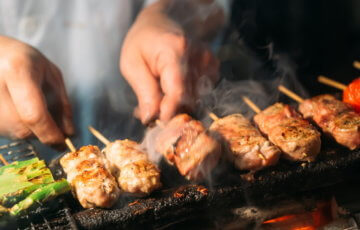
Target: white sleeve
(224,4)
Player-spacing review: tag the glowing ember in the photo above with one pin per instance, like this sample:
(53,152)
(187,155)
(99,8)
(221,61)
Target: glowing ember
(303,221)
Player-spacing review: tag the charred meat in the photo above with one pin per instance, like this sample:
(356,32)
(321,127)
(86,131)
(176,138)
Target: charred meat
(187,144)
(247,148)
(335,118)
(91,181)
(135,173)
(286,128)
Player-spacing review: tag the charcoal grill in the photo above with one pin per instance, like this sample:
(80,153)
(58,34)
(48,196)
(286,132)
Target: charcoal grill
(189,203)
(229,191)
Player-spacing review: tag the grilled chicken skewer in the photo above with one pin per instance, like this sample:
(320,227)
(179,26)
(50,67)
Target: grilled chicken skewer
(130,165)
(334,117)
(286,128)
(246,147)
(91,181)
(186,143)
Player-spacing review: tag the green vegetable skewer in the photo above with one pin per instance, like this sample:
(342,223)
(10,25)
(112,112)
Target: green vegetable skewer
(17,165)
(22,178)
(12,198)
(36,166)
(41,195)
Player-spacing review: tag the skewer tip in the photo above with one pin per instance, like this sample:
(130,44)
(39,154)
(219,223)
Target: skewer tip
(290,94)
(262,156)
(70,145)
(3,160)
(160,123)
(213,116)
(330,82)
(98,135)
(356,65)
(251,104)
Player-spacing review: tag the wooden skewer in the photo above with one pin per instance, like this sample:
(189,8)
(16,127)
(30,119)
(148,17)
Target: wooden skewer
(290,94)
(356,64)
(70,145)
(2,159)
(251,104)
(213,116)
(98,135)
(332,83)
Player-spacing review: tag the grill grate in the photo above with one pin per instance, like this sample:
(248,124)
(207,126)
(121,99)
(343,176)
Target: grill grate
(54,215)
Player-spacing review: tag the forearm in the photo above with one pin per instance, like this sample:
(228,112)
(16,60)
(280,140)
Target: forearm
(200,19)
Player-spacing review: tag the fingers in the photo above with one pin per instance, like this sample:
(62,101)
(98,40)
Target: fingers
(145,86)
(173,84)
(31,106)
(13,127)
(55,80)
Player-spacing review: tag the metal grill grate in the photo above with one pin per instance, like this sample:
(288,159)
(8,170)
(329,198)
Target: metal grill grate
(54,215)
(19,150)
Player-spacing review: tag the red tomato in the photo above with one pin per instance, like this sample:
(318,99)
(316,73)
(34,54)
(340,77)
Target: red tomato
(352,94)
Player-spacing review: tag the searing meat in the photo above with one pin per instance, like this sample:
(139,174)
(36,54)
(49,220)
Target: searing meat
(285,127)
(135,173)
(92,183)
(186,143)
(247,148)
(335,118)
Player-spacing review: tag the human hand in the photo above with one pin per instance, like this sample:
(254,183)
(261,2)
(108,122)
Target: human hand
(165,68)
(24,75)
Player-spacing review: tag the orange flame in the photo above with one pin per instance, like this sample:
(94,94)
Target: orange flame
(303,221)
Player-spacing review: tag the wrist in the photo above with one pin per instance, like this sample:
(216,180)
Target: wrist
(200,20)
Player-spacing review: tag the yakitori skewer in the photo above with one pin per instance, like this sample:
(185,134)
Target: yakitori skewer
(333,116)
(246,147)
(3,160)
(187,144)
(87,172)
(215,118)
(351,93)
(135,173)
(286,128)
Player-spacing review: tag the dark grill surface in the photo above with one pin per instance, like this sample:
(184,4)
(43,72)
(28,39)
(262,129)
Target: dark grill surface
(227,191)
(175,205)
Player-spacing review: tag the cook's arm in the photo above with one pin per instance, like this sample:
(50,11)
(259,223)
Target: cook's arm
(165,56)
(24,72)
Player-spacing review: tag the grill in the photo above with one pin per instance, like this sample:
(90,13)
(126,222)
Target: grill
(54,215)
(193,204)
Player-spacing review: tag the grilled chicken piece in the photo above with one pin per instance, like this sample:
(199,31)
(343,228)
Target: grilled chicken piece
(92,183)
(335,118)
(186,143)
(285,127)
(135,173)
(247,148)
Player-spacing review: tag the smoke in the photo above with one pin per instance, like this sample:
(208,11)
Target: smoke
(149,141)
